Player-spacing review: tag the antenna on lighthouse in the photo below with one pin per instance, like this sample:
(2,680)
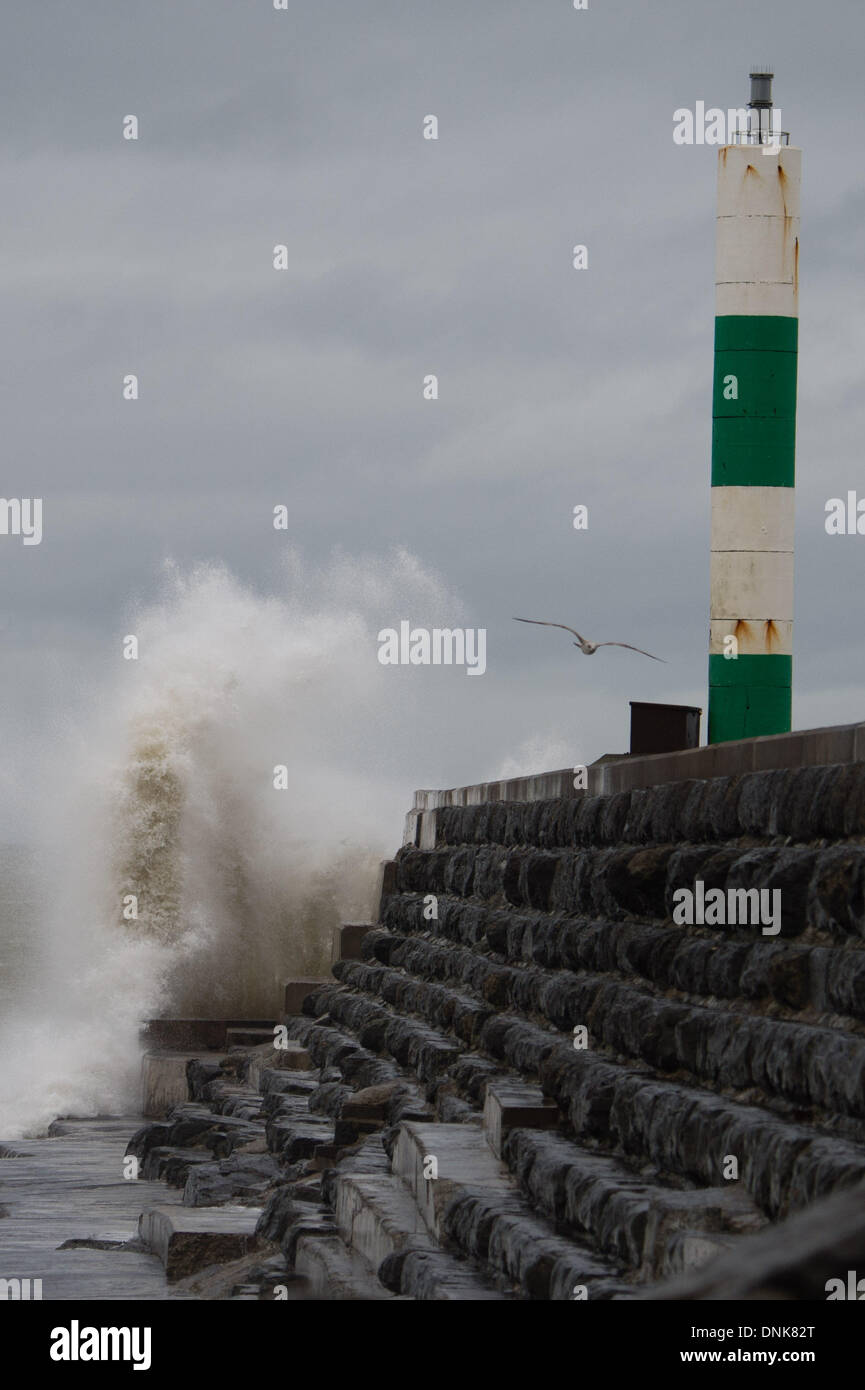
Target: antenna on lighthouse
(761,127)
(761,88)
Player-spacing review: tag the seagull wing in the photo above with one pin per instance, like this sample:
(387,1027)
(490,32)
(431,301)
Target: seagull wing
(632,649)
(541,623)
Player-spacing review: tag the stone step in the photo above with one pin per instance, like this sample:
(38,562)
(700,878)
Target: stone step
(462,1159)
(820,885)
(378,1218)
(690,1251)
(368,1158)
(286,1105)
(627,1214)
(473,1202)
(792,1060)
(187,1239)
(782,1164)
(378,944)
(796,1259)
(297,1138)
(412,1044)
(221,1093)
(275,1081)
(515,1105)
(460,1012)
(173,1165)
(423,1272)
(290,1058)
(376,1215)
(720,1048)
(193,1127)
(244,1105)
(334,1273)
(525,1252)
(329,1047)
(378,1104)
(793,976)
(243,1177)
(163,1082)
(682,1129)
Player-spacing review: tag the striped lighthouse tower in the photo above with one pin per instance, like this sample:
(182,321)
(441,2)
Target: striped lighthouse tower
(754,427)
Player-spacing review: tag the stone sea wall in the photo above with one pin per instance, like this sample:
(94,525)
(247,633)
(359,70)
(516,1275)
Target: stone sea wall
(534,1082)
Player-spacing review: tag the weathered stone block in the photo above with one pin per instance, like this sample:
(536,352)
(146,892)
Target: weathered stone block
(509,1105)
(187,1239)
(347,939)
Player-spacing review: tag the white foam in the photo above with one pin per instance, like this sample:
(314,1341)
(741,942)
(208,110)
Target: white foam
(169,795)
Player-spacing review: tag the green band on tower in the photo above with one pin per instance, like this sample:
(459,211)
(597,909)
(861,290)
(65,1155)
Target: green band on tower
(751,695)
(754,433)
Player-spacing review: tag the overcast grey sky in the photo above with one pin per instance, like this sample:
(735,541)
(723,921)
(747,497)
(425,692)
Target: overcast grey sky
(408,257)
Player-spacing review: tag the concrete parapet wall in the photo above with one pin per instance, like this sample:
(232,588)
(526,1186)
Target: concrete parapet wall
(841,743)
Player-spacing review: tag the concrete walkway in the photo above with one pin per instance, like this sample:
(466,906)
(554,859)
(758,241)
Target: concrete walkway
(71,1187)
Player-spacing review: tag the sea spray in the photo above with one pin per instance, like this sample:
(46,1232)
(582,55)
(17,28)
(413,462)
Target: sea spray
(180,881)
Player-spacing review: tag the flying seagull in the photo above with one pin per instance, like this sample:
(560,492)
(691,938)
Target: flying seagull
(583,642)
